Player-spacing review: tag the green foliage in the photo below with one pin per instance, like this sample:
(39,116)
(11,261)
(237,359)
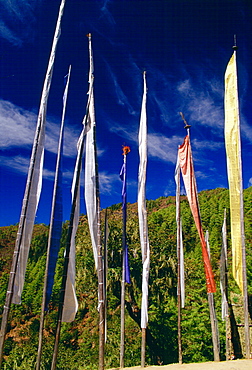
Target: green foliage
(79,341)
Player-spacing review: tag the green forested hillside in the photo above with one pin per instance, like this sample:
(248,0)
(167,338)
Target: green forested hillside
(79,340)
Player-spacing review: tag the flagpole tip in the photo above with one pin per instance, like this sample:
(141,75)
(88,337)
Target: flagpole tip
(235,47)
(125,149)
(183,118)
(89,35)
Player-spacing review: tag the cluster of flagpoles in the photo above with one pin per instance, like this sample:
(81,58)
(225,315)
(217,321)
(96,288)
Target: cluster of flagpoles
(68,304)
(234,169)
(31,197)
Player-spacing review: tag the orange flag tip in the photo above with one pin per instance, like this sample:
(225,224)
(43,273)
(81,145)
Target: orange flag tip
(125,149)
(89,35)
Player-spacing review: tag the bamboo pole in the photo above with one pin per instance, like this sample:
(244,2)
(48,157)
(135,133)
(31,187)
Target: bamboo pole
(40,127)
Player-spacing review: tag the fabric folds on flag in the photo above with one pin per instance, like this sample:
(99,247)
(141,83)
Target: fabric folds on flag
(186,165)
(70,300)
(34,180)
(180,250)
(90,165)
(57,209)
(124,209)
(233,153)
(32,200)
(142,212)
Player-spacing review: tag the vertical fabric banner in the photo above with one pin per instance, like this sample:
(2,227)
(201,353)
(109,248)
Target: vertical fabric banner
(124,209)
(57,209)
(70,300)
(34,181)
(32,204)
(186,165)
(90,165)
(180,250)
(233,153)
(142,212)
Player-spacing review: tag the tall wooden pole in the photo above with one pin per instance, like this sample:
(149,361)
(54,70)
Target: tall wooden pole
(55,191)
(106,235)
(214,327)
(142,217)
(67,251)
(124,218)
(40,127)
(213,320)
(78,166)
(179,263)
(244,269)
(101,285)
(123,282)
(225,282)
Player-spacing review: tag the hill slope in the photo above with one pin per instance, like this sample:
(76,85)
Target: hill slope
(79,340)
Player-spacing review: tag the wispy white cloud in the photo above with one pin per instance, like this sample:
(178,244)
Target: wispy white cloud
(16,126)
(106,182)
(121,97)
(203,101)
(17,163)
(20,164)
(160,147)
(206,144)
(17,20)
(163,148)
(17,130)
(106,14)
(170,188)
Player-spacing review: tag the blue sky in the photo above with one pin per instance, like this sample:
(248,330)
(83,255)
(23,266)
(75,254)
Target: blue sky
(183,45)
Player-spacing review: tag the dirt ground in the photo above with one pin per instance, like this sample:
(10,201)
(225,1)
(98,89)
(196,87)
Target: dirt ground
(223,365)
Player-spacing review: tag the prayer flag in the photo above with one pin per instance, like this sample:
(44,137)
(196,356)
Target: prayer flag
(34,179)
(186,165)
(180,250)
(142,212)
(57,209)
(124,209)
(233,152)
(90,165)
